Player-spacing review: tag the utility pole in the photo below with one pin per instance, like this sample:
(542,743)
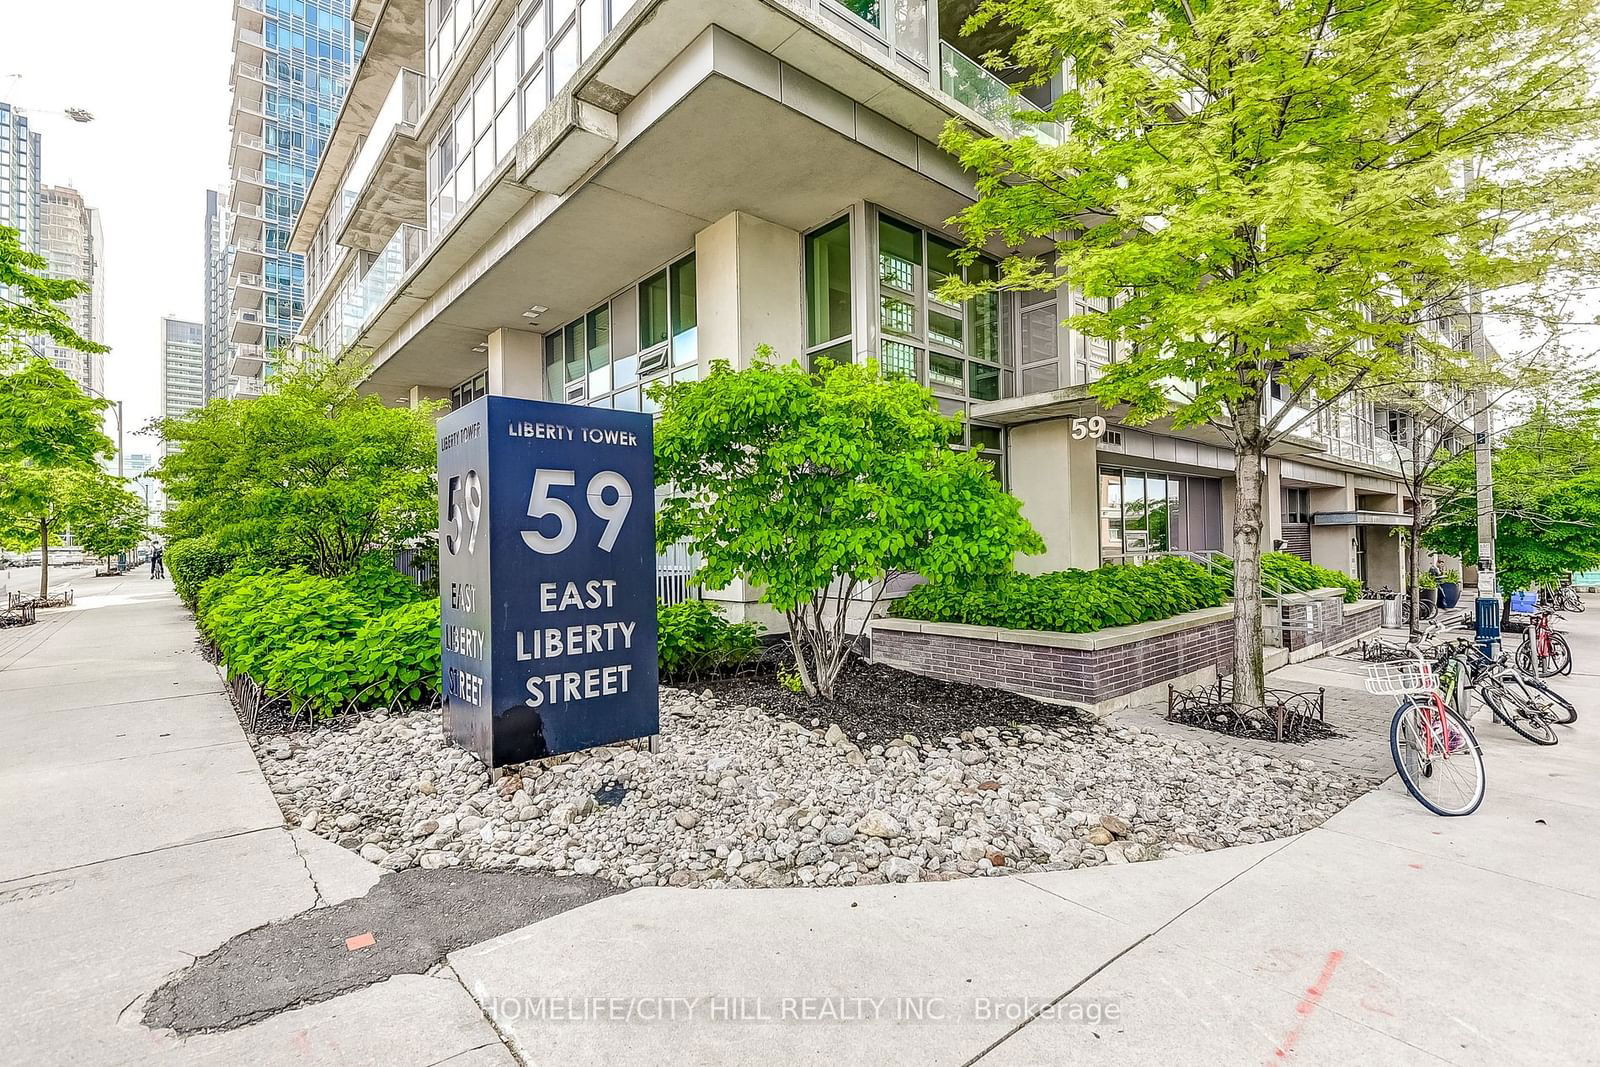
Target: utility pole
(1488,606)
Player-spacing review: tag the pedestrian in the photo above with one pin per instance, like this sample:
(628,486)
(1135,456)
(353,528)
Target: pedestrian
(157,567)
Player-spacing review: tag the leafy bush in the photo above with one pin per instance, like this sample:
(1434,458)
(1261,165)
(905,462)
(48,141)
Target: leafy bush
(1451,576)
(192,561)
(326,644)
(1426,581)
(1284,568)
(1071,601)
(694,639)
(380,586)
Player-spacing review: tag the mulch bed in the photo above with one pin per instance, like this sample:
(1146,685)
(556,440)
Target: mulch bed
(885,703)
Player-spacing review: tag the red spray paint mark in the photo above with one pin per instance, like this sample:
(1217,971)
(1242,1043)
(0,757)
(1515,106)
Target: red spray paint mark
(1308,1004)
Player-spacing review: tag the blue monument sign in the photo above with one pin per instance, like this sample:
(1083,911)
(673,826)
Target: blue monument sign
(546,577)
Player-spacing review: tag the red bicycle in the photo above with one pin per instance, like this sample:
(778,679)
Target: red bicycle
(1543,651)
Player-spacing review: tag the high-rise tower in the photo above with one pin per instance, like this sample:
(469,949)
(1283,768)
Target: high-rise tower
(72,244)
(292,61)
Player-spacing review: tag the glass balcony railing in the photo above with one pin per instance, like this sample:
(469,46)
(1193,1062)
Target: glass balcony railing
(979,89)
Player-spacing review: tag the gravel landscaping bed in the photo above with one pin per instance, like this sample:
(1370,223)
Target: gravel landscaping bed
(737,796)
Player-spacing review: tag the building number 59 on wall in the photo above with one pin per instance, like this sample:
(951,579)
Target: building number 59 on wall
(464,516)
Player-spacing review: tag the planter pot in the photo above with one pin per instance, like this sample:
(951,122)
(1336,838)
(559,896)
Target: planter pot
(1428,598)
(1449,595)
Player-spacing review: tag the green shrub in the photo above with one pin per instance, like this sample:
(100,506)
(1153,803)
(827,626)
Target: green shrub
(192,561)
(1451,576)
(377,583)
(1072,601)
(393,657)
(267,618)
(694,639)
(1426,581)
(1292,570)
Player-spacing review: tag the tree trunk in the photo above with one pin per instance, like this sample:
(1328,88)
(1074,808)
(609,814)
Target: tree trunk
(1249,666)
(44,559)
(1413,544)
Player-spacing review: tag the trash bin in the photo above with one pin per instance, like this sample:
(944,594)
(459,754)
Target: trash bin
(1394,613)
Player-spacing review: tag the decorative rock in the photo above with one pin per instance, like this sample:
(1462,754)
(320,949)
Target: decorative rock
(686,819)
(880,824)
(1117,825)
(373,854)
(1099,836)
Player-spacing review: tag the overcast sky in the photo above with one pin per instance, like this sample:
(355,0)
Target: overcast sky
(155,77)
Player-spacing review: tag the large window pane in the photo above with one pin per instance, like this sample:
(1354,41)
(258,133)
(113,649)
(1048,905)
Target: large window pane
(564,58)
(985,312)
(828,282)
(899,359)
(911,29)
(985,381)
(941,263)
(599,337)
(1110,514)
(830,356)
(897,316)
(685,314)
(1157,515)
(1134,531)
(944,370)
(653,326)
(572,344)
(944,327)
(869,11)
(899,255)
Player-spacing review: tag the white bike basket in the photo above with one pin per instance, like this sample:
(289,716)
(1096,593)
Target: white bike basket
(1400,678)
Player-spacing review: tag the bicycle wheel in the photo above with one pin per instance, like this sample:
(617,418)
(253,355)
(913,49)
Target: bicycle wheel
(1563,710)
(1560,655)
(1448,780)
(1521,713)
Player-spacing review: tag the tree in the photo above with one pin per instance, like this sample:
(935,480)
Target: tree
(820,487)
(311,473)
(1272,191)
(37,504)
(110,519)
(30,302)
(1547,500)
(48,421)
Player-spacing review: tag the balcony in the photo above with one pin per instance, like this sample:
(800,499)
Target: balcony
(385,186)
(247,116)
(248,187)
(247,223)
(246,386)
(247,257)
(249,290)
(248,326)
(383,277)
(249,150)
(249,46)
(982,91)
(250,14)
(248,360)
(248,82)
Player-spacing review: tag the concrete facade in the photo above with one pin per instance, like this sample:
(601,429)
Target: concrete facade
(649,187)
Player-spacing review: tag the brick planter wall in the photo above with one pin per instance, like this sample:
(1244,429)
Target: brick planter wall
(1338,624)
(1106,669)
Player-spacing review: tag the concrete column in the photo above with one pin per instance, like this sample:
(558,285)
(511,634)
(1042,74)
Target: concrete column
(422,394)
(749,290)
(1057,480)
(516,364)
(1334,546)
(1272,506)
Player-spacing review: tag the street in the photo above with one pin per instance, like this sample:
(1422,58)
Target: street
(143,836)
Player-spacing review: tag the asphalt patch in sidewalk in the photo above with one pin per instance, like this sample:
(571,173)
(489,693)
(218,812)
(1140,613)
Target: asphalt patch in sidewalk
(415,918)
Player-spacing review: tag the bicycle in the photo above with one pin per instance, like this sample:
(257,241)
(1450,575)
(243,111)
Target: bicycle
(1542,651)
(1564,598)
(1435,752)
(1509,696)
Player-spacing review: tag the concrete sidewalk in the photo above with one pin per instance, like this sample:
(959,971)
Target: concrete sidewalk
(141,834)
(1387,936)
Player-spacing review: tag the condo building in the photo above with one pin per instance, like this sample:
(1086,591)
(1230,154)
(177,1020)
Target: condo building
(183,366)
(218,353)
(71,241)
(571,200)
(291,64)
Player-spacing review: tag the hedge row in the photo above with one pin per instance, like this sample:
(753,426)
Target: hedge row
(1071,601)
(1282,567)
(326,645)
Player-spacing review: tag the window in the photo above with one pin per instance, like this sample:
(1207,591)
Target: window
(592,360)
(1143,512)
(1297,505)
(827,266)
(956,343)
(868,11)
(469,390)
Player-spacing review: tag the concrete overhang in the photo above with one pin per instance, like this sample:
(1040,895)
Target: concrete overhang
(395,194)
(1360,518)
(398,41)
(1076,402)
(723,145)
